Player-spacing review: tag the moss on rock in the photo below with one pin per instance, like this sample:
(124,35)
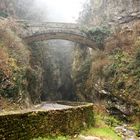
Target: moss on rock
(41,123)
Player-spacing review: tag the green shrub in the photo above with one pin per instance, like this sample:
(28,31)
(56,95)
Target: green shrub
(99,34)
(3,14)
(111,121)
(14,56)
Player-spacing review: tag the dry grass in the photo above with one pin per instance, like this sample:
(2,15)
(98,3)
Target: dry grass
(124,38)
(9,23)
(10,41)
(100,60)
(100,108)
(14,60)
(7,105)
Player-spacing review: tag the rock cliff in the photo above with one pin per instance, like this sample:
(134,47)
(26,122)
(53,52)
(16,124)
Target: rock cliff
(113,12)
(113,73)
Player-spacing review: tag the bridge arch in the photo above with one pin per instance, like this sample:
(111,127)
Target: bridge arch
(50,31)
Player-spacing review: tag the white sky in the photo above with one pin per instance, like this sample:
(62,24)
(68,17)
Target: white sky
(61,10)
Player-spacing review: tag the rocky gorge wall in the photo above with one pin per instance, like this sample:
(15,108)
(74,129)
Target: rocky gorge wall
(112,72)
(14,64)
(108,12)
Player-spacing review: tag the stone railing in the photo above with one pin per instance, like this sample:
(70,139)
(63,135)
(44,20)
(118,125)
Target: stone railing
(52,30)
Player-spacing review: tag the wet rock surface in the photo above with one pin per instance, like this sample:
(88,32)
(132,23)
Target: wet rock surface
(127,133)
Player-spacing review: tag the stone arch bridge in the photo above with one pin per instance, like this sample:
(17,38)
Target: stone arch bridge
(52,30)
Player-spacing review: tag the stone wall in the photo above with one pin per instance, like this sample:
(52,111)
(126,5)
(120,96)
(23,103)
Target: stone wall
(25,126)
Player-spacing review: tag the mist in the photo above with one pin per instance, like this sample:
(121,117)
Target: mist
(59,10)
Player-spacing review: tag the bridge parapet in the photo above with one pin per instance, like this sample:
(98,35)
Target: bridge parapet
(51,24)
(53,30)
(33,30)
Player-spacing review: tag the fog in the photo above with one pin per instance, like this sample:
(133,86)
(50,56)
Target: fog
(60,10)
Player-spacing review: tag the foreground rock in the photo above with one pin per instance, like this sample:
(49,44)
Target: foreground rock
(126,133)
(89,138)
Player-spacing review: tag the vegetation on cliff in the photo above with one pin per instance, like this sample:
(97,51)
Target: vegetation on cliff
(99,34)
(14,62)
(113,74)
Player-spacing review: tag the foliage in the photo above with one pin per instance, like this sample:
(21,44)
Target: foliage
(101,130)
(3,14)
(13,64)
(115,71)
(100,61)
(126,72)
(138,126)
(99,34)
(84,71)
(123,73)
(111,121)
(105,133)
